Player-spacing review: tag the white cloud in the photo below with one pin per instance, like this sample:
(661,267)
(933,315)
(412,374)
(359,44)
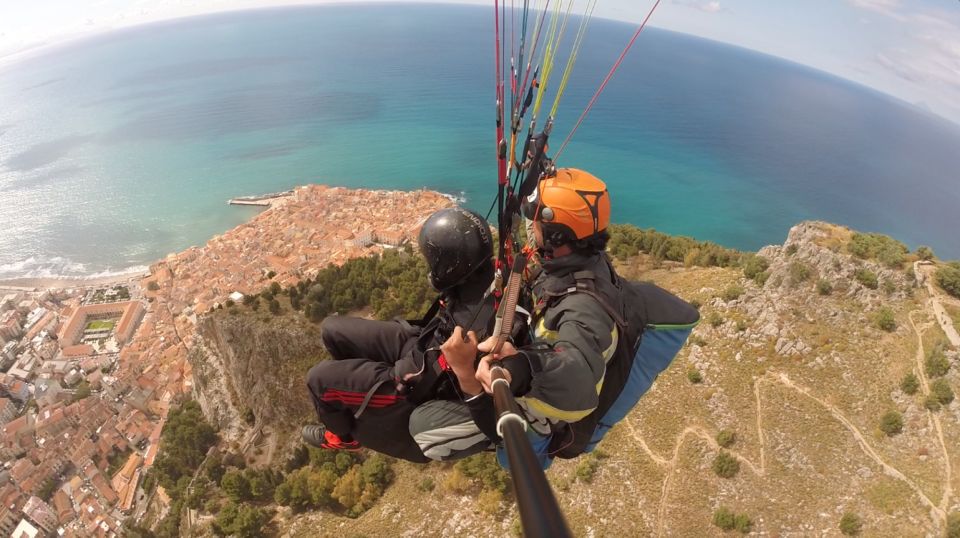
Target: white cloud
(927,57)
(708,6)
(884,7)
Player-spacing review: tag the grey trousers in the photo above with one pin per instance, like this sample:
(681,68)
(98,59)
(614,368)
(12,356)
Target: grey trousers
(444,430)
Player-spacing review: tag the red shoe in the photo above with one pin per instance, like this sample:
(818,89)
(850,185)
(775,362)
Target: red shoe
(318,436)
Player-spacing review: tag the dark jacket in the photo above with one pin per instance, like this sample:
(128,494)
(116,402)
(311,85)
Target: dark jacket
(558,377)
(469,305)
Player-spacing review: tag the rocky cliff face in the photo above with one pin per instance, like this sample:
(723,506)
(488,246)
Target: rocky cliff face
(820,247)
(249,373)
(813,251)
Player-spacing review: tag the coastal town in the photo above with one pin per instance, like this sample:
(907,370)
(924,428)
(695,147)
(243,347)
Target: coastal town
(91,371)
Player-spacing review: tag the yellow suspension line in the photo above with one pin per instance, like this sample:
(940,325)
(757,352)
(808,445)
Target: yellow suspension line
(572,59)
(516,100)
(553,42)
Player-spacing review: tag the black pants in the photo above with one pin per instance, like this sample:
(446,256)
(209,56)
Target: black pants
(364,355)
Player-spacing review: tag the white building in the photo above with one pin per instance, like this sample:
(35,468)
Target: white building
(25,530)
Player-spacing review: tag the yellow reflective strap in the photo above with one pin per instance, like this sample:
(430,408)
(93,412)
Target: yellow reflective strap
(549,411)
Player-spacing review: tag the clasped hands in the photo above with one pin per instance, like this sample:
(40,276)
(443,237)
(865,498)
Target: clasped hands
(460,353)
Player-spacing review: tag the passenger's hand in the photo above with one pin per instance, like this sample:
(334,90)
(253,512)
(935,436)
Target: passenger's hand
(460,353)
(506,350)
(485,372)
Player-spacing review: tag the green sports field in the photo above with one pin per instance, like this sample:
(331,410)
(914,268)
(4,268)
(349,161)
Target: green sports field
(100,325)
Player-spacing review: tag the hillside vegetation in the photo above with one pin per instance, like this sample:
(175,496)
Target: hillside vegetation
(816,397)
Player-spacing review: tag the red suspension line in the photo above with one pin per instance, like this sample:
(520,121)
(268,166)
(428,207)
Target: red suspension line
(607,79)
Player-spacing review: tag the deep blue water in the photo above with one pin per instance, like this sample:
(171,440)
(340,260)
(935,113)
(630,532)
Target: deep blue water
(120,149)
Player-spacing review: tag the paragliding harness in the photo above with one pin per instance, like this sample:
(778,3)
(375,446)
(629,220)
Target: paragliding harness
(653,325)
(435,380)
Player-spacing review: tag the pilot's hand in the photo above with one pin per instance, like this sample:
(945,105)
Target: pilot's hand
(506,350)
(485,372)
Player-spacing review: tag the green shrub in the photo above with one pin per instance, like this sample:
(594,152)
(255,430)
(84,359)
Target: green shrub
(867,277)
(936,363)
(792,249)
(891,423)
(697,340)
(850,524)
(426,484)
(799,272)
(953,525)
(889,287)
(885,319)
(941,390)
(925,253)
(742,523)
(244,520)
(485,469)
(732,293)
(715,319)
(753,265)
(726,520)
(893,256)
(725,465)
(910,384)
(948,278)
(271,274)
(211,506)
(932,403)
(693,375)
(761,278)
(741,325)
(153,286)
(587,468)
(726,438)
(723,518)
(627,240)
(392,284)
(184,442)
(824,287)
(885,249)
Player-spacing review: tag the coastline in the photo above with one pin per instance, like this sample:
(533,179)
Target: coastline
(59,282)
(264,201)
(66,282)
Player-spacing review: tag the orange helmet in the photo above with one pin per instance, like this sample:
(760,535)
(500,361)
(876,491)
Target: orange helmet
(570,205)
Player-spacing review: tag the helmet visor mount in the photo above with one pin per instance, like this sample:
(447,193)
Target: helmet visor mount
(532,207)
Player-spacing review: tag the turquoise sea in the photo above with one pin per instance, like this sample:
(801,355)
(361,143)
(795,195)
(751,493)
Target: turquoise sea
(119,149)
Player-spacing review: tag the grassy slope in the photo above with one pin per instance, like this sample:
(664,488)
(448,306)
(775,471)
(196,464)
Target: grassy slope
(811,469)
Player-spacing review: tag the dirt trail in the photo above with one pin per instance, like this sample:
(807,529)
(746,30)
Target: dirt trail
(924,275)
(934,418)
(783,380)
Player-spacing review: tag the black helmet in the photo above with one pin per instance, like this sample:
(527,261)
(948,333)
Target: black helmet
(455,242)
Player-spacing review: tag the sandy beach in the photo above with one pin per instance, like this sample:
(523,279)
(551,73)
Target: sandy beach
(34,284)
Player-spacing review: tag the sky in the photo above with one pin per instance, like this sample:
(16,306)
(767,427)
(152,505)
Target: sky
(906,48)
